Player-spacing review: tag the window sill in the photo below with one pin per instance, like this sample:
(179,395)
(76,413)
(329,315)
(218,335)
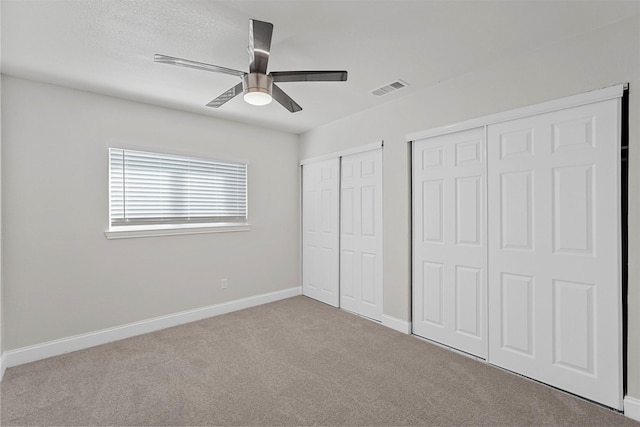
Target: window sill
(128,232)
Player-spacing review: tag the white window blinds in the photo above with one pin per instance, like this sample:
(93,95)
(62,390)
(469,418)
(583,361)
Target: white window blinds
(152,188)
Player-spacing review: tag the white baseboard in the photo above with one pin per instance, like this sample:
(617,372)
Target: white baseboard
(397,324)
(632,408)
(104,336)
(3,365)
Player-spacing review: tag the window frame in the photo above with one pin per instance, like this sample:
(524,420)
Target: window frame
(173,228)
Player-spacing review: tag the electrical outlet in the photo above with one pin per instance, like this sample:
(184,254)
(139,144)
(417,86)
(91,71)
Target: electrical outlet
(223,283)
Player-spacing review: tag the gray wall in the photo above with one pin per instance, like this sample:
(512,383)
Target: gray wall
(1,287)
(63,277)
(605,57)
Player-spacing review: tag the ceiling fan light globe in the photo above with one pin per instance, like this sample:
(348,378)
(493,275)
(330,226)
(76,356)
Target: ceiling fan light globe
(257,88)
(257,98)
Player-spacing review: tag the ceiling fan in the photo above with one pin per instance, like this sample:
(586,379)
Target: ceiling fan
(258,87)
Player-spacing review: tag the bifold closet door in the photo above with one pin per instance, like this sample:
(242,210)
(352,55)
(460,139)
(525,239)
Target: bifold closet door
(449,240)
(361,233)
(554,249)
(320,237)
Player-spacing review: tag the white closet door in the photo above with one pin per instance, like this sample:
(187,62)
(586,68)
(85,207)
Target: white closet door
(361,234)
(320,274)
(449,253)
(554,249)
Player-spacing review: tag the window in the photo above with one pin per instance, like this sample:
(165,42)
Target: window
(154,191)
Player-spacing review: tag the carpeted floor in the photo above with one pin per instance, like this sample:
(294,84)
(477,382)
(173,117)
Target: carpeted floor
(292,362)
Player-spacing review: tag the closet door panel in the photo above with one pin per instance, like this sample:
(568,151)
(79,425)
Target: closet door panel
(554,249)
(361,234)
(320,237)
(449,253)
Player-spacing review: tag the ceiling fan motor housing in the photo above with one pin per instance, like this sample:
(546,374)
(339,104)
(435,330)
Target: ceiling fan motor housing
(257,88)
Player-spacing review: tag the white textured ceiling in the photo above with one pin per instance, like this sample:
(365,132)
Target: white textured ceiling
(107,46)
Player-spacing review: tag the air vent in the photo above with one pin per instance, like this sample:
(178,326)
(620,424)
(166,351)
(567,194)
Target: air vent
(393,86)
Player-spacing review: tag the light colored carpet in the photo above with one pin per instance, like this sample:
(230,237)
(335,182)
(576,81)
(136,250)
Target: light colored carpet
(292,362)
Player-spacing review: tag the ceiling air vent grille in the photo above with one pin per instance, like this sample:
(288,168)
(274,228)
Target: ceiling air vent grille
(393,86)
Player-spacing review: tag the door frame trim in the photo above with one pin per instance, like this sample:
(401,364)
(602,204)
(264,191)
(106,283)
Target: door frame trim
(342,153)
(518,113)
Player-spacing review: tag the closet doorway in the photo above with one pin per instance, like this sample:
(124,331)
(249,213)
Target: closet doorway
(342,257)
(552,305)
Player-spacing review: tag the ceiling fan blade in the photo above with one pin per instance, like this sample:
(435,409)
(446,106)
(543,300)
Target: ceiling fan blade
(231,93)
(309,76)
(285,100)
(163,59)
(259,45)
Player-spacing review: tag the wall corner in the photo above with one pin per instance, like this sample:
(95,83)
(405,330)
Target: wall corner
(632,408)
(396,324)
(3,365)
